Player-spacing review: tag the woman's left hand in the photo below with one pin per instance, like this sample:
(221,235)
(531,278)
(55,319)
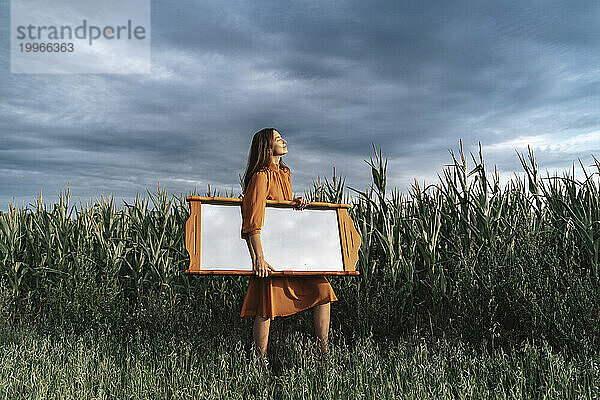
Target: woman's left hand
(302,203)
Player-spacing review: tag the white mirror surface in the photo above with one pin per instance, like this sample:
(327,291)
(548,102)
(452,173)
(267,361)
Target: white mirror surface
(292,240)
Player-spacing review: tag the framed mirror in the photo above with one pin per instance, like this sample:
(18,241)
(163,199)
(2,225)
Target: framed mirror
(319,240)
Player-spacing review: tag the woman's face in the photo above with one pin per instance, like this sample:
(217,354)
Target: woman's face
(279,144)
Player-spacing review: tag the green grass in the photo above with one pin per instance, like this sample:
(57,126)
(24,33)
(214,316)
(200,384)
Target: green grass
(38,366)
(502,283)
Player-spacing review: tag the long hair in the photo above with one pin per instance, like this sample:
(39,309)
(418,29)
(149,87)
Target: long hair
(260,153)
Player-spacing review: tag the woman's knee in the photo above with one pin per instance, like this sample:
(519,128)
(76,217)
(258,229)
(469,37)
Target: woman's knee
(321,308)
(262,322)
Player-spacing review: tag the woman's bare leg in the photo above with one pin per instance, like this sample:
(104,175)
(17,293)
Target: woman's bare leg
(261,333)
(321,319)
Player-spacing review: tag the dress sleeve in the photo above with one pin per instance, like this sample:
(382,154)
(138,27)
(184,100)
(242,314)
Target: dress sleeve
(288,185)
(253,204)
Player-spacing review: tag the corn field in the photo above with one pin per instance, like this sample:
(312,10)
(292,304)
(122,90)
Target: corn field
(464,260)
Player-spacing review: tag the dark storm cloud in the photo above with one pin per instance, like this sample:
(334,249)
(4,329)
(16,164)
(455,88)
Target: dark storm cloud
(413,77)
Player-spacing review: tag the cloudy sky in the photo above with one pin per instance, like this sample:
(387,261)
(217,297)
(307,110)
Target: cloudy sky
(331,76)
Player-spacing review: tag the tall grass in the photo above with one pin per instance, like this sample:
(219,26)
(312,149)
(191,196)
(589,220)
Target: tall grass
(462,259)
(467,258)
(39,366)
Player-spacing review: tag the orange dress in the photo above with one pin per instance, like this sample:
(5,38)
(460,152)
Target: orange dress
(276,296)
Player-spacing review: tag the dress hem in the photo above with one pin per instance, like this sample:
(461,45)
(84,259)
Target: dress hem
(325,301)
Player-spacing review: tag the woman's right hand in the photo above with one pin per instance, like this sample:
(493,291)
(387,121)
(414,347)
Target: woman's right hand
(261,267)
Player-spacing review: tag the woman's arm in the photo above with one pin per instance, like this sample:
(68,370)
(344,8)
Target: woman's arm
(253,204)
(259,265)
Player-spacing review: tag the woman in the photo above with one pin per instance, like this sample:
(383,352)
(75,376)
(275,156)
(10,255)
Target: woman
(267,177)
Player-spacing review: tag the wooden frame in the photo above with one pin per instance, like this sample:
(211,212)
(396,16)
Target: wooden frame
(348,235)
